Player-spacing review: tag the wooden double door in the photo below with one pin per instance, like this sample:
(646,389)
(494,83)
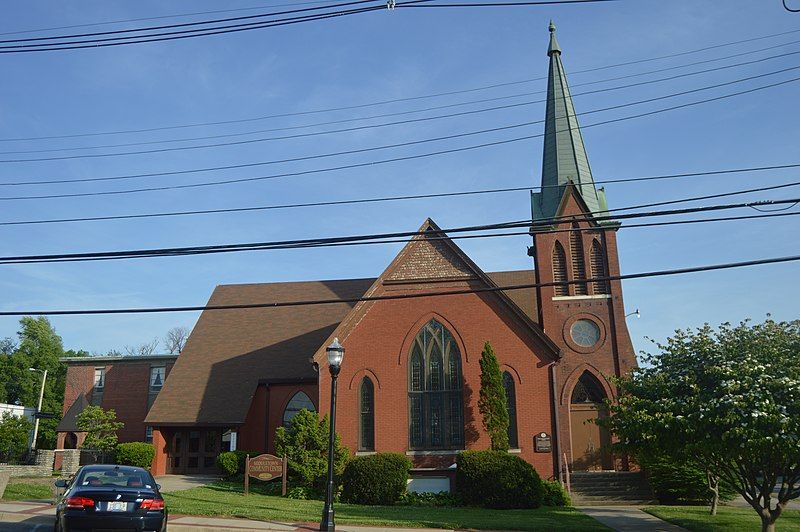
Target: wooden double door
(194,451)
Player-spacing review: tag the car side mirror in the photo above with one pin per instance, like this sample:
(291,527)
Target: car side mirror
(61,483)
(158,486)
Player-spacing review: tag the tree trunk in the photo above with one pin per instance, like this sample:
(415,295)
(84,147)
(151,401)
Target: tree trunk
(713,486)
(767,525)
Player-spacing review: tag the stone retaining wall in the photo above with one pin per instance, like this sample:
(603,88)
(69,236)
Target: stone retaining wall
(43,467)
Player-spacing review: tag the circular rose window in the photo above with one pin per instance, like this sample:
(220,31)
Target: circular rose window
(585,333)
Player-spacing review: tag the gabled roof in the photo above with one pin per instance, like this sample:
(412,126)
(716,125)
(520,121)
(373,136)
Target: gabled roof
(432,246)
(230,351)
(69,423)
(564,158)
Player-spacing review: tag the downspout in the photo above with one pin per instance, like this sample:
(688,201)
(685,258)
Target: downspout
(556,434)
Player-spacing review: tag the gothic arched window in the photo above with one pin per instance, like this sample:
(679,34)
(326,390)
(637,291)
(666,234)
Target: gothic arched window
(366,438)
(598,268)
(578,264)
(511,397)
(435,402)
(560,270)
(587,390)
(299,401)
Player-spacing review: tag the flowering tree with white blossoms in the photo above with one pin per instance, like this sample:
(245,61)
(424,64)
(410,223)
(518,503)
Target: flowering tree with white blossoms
(728,398)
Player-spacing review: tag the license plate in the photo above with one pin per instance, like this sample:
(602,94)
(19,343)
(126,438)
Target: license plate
(117,506)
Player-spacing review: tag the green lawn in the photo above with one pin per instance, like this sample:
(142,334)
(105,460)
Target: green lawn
(226,500)
(697,518)
(23,491)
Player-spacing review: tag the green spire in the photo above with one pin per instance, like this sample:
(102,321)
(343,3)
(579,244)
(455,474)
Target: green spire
(565,157)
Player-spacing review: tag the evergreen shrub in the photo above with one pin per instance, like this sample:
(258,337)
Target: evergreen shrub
(228,463)
(137,454)
(554,494)
(378,479)
(496,479)
(676,482)
(440,499)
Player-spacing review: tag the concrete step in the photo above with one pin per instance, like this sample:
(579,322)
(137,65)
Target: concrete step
(610,487)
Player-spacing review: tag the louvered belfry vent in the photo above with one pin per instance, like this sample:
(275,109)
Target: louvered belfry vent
(578,264)
(599,268)
(560,270)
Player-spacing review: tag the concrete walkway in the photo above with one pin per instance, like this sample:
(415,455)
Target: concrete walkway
(629,519)
(171,483)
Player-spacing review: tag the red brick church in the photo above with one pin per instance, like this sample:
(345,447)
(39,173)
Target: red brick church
(410,378)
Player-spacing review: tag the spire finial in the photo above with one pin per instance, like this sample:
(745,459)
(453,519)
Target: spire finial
(553,42)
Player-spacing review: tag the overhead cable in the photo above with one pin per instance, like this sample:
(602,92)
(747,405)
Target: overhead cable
(412,295)
(361,150)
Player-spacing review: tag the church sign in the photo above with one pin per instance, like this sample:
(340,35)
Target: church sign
(542,443)
(264,467)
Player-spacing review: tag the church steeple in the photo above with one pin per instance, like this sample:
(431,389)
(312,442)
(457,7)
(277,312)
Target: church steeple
(564,157)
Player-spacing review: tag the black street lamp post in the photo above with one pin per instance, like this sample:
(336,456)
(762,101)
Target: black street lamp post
(335,353)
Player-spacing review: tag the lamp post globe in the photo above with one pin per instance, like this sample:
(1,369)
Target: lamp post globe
(335,353)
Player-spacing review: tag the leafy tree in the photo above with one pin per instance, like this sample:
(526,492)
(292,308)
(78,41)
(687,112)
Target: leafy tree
(305,444)
(39,348)
(100,426)
(14,434)
(729,398)
(492,402)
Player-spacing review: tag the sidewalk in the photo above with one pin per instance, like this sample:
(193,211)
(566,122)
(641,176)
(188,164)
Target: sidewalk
(628,519)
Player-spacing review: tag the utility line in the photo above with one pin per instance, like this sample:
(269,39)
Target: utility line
(162,17)
(412,98)
(387,198)
(386,124)
(170,36)
(181,25)
(413,295)
(316,242)
(357,165)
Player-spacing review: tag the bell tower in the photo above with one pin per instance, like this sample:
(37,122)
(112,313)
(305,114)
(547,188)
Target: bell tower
(572,246)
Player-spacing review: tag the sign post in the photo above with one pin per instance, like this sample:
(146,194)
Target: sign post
(265,467)
(247,474)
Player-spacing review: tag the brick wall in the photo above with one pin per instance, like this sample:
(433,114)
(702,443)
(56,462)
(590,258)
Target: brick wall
(379,346)
(614,354)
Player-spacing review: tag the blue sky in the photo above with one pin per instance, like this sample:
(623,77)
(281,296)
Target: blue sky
(374,57)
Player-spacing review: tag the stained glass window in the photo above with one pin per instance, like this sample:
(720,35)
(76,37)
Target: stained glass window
(511,397)
(299,401)
(587,390)
(435,401)
(367,403)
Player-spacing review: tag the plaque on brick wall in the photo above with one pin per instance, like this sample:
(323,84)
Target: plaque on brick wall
(542,443)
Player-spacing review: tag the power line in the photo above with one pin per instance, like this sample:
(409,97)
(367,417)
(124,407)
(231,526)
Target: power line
(413,295)
(387,124)
(170,36)
(162,17)
(388,198)
(319,242)
(181,25)
(358,165)
(436,95)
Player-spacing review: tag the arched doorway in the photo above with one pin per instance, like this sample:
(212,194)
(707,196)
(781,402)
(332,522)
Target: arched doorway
(71,441)
(590,442)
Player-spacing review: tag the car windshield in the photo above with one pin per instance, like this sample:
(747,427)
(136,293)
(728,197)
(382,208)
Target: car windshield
(129,478)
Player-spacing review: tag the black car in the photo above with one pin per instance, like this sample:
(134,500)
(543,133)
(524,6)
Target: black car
(110,497)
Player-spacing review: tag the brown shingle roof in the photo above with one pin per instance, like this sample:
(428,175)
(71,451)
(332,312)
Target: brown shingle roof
(230,351)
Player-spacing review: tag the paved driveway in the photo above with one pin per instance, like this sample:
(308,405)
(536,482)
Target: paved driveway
(170,483)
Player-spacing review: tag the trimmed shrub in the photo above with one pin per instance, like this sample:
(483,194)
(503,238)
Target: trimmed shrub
(305,443)
(496,479)
(674,482)
(228,463)
(378,479)
(441,499)
(554,494)
(137,454)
